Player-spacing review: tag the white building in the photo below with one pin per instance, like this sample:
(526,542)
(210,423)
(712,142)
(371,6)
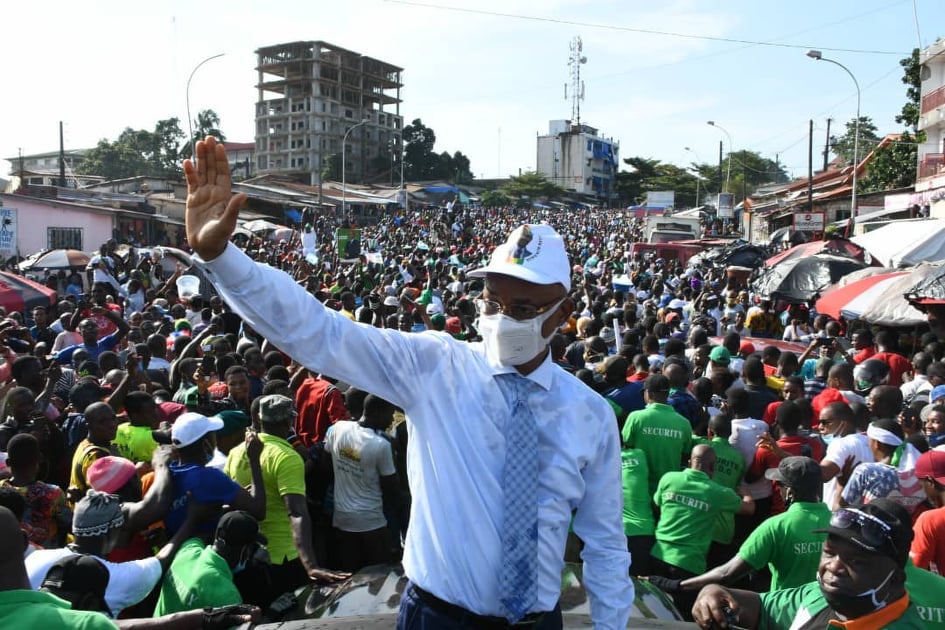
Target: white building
(577,159)
(930,184)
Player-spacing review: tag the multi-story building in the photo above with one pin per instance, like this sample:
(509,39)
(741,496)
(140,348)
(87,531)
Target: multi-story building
(930,184)
(310,95)
(42,169)
(577,159)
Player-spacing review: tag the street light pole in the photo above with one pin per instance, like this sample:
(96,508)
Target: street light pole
(190,124)
(696,173)
(818,56)
(344,146)
(728,169)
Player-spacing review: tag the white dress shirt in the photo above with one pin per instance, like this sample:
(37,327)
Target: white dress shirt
(457,414)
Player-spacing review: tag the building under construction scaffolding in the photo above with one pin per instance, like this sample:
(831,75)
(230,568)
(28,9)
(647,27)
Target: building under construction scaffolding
(309,95)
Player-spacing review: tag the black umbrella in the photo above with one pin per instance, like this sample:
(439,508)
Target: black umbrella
(800,280)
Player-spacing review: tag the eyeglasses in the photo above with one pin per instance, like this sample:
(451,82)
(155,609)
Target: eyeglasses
(520,312)
(873,531)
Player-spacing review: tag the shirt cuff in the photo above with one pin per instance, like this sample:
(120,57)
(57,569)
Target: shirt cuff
(229,268)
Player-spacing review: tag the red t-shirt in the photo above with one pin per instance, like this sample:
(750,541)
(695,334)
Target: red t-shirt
(928,546)
(105,325)
(898,365)
(795,445)
(864,354)
(765,459)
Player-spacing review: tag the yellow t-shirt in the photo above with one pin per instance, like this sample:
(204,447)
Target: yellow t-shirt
(85,455)
(134,443)
(283,473)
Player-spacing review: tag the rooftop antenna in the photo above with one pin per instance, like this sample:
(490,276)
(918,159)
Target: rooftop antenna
(575,60)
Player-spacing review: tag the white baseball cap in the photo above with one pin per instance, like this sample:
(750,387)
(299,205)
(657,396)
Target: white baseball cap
(534,253)
(190,427)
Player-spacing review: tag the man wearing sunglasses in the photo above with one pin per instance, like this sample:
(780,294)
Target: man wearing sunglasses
(497,424)
(860,583)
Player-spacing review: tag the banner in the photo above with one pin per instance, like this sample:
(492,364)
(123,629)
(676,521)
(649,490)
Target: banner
(726,205)
(8,231)
(348,243)
(808,221)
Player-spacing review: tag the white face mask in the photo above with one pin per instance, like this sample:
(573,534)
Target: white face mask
(511,342)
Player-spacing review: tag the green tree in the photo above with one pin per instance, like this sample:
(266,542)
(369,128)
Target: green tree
(843,145)
(421,162)
(331,168)
(532,186)
(206,124)
(630,184)
(893,165)
(494,199)
(138,152)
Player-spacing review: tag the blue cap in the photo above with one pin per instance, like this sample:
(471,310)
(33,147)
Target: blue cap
(937,392)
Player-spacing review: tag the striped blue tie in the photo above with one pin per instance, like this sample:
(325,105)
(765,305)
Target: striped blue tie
(519,580)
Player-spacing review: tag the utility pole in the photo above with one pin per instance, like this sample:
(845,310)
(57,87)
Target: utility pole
(720,166)
(827,143)
(810,167)
(62,158)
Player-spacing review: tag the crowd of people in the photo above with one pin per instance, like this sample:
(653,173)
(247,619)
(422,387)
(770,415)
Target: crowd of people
(181,461)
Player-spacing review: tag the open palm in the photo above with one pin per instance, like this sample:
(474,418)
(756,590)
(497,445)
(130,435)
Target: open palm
(212,208)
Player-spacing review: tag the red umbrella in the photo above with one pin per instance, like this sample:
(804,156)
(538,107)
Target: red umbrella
(19,294)
(836,298)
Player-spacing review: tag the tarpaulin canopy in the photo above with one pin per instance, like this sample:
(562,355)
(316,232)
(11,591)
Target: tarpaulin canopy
(802,279)
(56,259)
(19,294)
(906,243)
(930,290)
(850,300)
(836,246)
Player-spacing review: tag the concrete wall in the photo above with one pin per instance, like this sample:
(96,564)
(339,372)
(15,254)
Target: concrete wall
(35,216)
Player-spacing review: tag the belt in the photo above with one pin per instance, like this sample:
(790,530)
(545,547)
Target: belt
(460,614)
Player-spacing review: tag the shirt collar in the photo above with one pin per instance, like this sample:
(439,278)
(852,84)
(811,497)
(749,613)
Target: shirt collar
(542,375)
(878,619)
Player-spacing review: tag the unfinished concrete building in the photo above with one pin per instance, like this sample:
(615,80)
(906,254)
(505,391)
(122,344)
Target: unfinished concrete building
(309,95)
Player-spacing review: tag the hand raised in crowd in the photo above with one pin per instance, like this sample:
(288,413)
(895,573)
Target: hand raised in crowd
(327,576)
(254,446)
(212,208)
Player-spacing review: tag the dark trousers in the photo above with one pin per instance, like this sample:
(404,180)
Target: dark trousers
(639,548)
(357,550)
(418,612)
(684,600)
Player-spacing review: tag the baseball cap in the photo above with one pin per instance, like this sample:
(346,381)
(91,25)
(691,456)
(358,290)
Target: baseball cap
(798,472)
(880,526)
(720,355)
(191,426)
(671,317)
(533,253)
(391,300)
(234,421)
(931,464)
(238,529)
(276,408)
(676,303)
(109,474)
(434,308)
(454,326)
(746,347)
(77,574)
(937,392)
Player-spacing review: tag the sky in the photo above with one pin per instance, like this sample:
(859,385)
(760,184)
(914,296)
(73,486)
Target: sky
(486,76)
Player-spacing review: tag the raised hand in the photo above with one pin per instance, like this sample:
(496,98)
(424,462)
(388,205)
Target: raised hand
(212,208)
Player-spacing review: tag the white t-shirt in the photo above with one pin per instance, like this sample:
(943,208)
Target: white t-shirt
(360,457)
(128,582)
(745,434)
(857,445)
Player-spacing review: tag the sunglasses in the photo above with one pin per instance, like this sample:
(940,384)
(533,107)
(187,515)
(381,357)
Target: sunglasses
(873,531)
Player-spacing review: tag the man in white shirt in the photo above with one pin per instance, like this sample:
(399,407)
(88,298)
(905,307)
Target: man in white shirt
(846,447)
(365,481)
(507,389)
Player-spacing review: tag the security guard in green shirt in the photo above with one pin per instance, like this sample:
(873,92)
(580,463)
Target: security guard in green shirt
(787,543)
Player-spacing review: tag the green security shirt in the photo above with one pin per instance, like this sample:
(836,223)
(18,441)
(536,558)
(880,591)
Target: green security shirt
(729,470)
(637,512)
(795,607)
(927,592)
(689,502)
(785,543)
(199,577)
(134,443)
(38,609)
(664,435)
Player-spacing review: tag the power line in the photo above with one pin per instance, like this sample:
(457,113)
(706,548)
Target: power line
(629,29)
